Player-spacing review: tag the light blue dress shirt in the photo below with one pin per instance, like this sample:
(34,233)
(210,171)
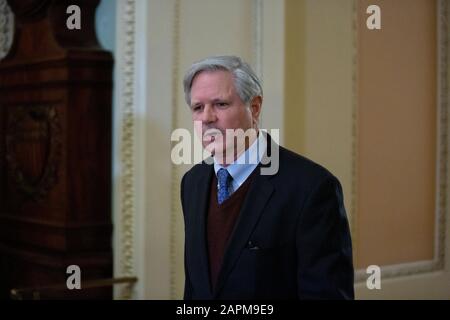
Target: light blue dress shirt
(244,165)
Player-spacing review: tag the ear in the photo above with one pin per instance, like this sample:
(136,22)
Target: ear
(255,107)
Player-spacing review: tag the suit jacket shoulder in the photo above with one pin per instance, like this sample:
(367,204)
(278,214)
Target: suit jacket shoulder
(196,172)
(300,177)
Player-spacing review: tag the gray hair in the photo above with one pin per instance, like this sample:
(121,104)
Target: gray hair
(246,82)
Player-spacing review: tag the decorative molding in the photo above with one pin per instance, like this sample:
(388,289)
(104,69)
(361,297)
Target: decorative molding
(402,270)
(257,25)
(6,28)
(438,262)
(443,127)
(257,45)
(126,107)
(175,212)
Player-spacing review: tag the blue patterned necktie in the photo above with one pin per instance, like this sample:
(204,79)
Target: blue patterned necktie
(224,185)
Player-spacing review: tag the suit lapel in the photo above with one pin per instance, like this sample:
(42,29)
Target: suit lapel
(199,244)
(259,193)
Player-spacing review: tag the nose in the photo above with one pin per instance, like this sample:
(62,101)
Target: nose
(208,114)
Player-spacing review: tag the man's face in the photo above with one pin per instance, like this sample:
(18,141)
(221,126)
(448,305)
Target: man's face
(215,104)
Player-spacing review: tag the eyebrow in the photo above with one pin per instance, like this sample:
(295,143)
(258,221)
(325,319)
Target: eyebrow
(215,100)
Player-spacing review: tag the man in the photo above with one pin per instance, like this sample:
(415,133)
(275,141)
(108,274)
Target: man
(250,235)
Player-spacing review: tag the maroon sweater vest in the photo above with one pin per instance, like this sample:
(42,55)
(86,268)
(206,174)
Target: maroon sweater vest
(221,221)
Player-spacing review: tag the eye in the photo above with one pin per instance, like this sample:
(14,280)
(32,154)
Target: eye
(222,104)
(196,108)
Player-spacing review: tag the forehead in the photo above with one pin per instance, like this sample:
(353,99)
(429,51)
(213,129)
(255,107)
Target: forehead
(212,82)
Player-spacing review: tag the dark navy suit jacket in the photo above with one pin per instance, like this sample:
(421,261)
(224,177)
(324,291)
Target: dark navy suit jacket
(291,239)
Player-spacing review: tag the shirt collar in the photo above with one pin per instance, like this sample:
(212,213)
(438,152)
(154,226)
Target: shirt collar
(244,165)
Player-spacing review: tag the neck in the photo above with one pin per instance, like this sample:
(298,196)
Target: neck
(225,161)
